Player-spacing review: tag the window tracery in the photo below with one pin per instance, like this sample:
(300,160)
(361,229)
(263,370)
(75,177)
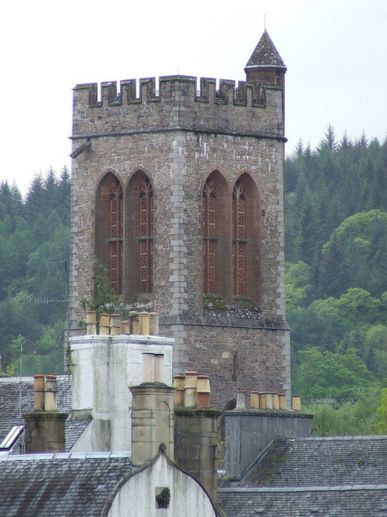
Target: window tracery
(209,236)
(109,229)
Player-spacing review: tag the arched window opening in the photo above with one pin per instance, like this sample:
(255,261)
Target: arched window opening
(245,230)
(239,239)
(140,235)
(215,241)
(209,236)
(145,237)
(109,222)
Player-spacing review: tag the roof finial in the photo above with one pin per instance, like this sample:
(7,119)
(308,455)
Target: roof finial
(264,21)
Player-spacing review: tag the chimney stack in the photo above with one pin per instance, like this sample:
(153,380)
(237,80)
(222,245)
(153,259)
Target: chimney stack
(152,421)
(196,431)
(45,426)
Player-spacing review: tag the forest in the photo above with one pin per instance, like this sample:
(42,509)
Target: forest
(336,279)
(34,249)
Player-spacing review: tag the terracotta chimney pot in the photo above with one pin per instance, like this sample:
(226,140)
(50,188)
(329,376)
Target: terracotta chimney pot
(104,324)
(124,327)
(203,391)
(50,391)
(254,400)
(91,322)
(262,400)
(154,323)
(115,324)
(133,320)
(178,384)
(296,403)
(143,318)
(282,401)
(269,400)
(38,392)
(190,385)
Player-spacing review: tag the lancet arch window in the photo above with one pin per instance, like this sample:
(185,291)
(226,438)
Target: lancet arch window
(245,239)
(109,229)
(215,242)
(140,235)
(209,236)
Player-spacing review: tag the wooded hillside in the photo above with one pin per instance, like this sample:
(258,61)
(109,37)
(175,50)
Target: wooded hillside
(336,272)
(34,243)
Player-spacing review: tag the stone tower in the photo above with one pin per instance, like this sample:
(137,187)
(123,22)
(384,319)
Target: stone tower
(179,193)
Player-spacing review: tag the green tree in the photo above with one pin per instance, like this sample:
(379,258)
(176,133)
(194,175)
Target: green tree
(351,418)
(381,411)
(103,299)
(297,279)
(34,240)
(328,375)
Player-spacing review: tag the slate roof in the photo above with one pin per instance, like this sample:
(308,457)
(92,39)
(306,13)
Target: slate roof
(73,430)
(62,484)
(265,53)
(306,477)
(321,461)
(341,502)
(9,405)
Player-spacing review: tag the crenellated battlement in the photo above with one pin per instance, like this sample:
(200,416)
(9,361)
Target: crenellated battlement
(177,102)
(253,94)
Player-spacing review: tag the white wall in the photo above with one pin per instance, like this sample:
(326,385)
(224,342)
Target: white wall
(103,368)
(137,498)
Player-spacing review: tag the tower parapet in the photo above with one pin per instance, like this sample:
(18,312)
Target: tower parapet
(248,108)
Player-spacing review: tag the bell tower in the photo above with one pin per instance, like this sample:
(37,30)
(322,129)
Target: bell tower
(178,191)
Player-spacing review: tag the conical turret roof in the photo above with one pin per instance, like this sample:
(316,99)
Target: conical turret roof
(265,54)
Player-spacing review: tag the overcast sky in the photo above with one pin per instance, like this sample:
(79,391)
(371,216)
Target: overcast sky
(335,51)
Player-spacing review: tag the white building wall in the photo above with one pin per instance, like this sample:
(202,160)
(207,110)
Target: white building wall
(103,368)
(137,497)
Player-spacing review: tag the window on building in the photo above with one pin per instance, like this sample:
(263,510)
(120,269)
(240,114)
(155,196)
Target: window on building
(163,497)
(12,437)
(140,235)
(234,369)
(215,235)
(246,238)
(108,231)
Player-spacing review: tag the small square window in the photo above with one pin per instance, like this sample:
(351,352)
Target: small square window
(163,497)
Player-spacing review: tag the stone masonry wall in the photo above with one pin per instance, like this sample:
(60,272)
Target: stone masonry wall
(262,358)
(178,138)
(178,167)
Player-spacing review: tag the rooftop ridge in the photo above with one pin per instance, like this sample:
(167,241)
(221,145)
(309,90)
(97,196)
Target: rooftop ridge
(317,488)
(337,438)
(7,456)
(16,380)
(128,339)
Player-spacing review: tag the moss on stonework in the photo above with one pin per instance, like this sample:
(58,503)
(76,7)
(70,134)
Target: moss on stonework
(214,301)
(245,302)
(145,298)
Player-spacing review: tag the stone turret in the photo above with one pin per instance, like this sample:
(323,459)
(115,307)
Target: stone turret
(265,64)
